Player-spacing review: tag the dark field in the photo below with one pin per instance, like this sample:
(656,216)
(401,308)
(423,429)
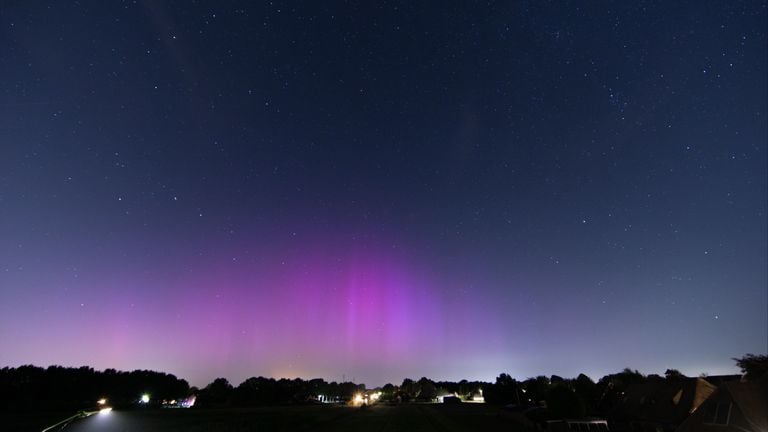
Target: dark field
(413,418)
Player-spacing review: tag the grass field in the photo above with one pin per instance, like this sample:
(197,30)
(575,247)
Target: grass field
(411,418)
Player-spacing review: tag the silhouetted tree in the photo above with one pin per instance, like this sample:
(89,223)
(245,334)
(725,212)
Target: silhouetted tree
(388,392)
(216,394)
(587,391)
(408,390)
(673,374)
(536,388)
(555,380)
(753,366)
(612,388)
(562,402)
(504,391)
(60,388)
(464,388)
(253,391)
(427,389)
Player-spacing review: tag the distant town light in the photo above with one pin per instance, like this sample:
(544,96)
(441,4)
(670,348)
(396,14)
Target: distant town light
(106,410)
(189,402)
(101,401)
(145,398)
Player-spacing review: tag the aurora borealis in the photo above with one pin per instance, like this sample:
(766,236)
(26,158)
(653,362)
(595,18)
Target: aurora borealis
(374,192)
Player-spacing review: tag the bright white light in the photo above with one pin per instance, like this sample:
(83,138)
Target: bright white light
(358,399)
(101,401)
(106,410)
(145,398)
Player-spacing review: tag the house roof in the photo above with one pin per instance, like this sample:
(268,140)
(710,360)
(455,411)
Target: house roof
(752,399)
(718,380)
(664,400)
(749,397)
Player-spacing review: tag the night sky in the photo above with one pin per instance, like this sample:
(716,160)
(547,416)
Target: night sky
(380,191)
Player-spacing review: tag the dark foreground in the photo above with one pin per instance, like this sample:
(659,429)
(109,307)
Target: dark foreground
(378,418)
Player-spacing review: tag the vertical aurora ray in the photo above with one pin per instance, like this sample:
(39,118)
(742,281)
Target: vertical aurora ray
(319,310)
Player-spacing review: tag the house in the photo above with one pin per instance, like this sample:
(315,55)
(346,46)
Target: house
(659,404)
(735,406)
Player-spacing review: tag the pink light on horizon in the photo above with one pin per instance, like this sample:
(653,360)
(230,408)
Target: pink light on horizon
(323,309)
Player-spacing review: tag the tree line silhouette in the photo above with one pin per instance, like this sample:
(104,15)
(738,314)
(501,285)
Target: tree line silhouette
(59,388)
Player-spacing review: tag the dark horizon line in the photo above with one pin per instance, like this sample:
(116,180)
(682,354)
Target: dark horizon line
(548,376)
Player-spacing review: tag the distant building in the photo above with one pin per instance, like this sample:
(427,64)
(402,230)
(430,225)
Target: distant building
(451,400)
(477,396)
(734,406)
